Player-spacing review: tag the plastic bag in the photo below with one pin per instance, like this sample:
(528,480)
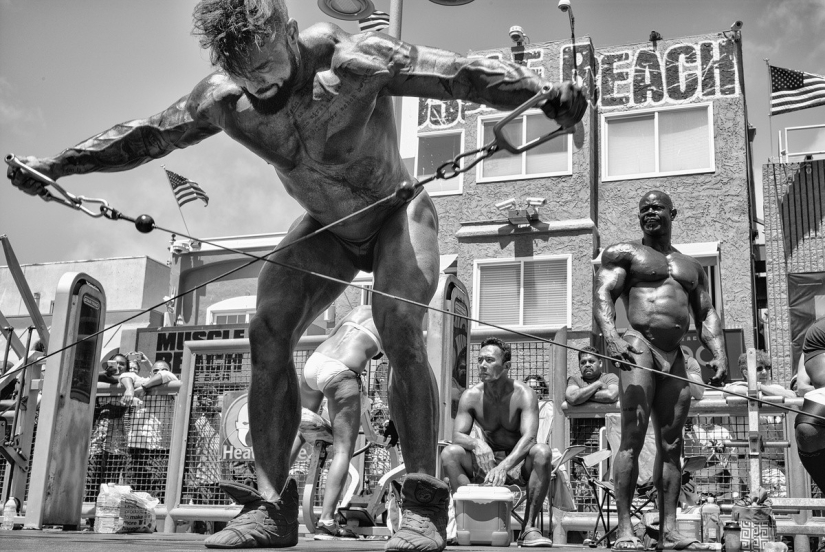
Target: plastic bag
(137,512)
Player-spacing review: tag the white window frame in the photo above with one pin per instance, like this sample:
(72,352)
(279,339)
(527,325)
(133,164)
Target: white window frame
(460,177)
(241,305)
(478,263)
(481,179)
(641,112)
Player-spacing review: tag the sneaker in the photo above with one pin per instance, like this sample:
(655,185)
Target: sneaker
(333,532)
(424,504)
(260,524)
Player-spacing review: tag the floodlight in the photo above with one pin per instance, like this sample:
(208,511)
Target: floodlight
(506,205)
(536,201)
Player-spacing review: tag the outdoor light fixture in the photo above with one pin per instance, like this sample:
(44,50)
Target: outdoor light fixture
(347,10)
(564,5)
(737,26)
(517,35)
(506,205)
(654,36)
(536,201)
(451,2)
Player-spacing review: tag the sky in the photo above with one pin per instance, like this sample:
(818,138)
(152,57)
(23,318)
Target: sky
(70,69)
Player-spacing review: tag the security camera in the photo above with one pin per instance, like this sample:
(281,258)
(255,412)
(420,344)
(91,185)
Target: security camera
(737,26)
(507,204)
(564,5)
(536,201)
(517,34)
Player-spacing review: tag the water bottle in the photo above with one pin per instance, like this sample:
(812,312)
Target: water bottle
(107,509)
(9,511)
(711,531)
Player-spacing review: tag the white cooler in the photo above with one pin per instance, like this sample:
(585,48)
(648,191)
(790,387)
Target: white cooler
(482,515)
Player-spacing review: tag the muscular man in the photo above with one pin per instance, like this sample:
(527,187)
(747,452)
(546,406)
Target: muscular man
(317,106)
(810,431)
(334,371)
(661,288)
(506,411)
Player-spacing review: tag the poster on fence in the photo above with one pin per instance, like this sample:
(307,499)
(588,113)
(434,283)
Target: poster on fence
(236,440)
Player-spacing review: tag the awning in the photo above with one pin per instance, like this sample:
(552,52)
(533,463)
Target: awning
(706,253)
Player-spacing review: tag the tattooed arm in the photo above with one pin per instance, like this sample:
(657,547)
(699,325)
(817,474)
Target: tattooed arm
(133,143)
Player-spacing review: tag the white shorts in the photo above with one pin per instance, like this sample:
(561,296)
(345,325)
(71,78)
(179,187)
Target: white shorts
(320,369)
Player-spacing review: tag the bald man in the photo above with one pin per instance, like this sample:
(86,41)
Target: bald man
(660,288)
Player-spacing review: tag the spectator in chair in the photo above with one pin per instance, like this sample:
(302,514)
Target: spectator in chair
(593,384)
(506,411)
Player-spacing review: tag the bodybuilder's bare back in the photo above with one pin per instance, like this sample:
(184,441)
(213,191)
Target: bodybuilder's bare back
(657,290)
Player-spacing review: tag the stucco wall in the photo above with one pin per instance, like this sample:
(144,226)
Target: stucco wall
(797,246)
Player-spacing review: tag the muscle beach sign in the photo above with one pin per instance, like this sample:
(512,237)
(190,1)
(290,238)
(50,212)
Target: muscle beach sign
(636,76)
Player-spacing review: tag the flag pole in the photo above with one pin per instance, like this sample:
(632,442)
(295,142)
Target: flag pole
(178,204)
(770,117)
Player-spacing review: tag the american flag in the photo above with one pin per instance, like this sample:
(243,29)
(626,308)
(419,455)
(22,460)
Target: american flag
(377,21)
(184,189)
(794,90)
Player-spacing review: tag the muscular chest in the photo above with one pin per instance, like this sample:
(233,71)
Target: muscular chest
(649,265)
(326,122)
(499,414)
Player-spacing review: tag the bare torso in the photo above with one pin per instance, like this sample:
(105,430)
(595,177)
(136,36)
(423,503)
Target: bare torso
(499,416)
(333,144)
(657,292)
(350,344)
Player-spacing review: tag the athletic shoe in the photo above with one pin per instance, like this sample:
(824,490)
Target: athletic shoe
(260,524)
(333,532)
(424,504)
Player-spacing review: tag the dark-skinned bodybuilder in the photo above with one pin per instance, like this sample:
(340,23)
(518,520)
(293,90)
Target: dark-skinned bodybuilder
(317,106)
(661,288)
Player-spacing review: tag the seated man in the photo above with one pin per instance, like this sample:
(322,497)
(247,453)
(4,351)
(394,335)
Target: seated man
(506,411)
(334,371)
(593,384)
(766,387)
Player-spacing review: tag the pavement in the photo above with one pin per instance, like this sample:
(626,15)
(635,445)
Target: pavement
(72,541)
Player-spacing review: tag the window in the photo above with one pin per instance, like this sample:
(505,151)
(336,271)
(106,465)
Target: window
(238,318)
(551,158)
(524,292)
(676,140)
(434,149)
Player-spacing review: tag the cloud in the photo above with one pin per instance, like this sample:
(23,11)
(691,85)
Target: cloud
(788,27)
(13,116)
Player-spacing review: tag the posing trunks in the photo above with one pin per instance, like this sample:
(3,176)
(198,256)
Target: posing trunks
(362,252)
(320,369)
(666,361)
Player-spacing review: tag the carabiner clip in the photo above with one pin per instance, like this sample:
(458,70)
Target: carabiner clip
(498,130)
(68,199)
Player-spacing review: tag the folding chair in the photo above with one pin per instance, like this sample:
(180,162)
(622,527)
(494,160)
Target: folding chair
(605,491)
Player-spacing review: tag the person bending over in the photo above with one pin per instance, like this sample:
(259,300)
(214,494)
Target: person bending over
(334,371)
(506,412)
